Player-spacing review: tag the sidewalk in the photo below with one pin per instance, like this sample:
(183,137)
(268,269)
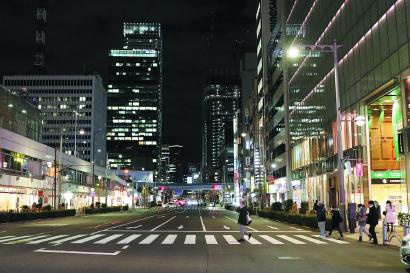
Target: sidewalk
(394,242)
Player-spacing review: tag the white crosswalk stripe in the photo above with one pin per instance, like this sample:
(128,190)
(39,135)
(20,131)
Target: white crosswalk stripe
(170,239)
(88,239)
(149,239)
(25,240)
(128,239)
(4,237)
(310,239)
(271,240)
(210,240)
(46,239)
(252,241)
(68,239)
(190,240)
(108,239)
(231,240)
(332,240)
(290,239)
(13,238)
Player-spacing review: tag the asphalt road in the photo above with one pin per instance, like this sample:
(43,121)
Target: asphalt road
(181,240)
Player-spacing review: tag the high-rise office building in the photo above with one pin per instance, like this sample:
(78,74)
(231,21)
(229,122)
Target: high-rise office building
(176,164)
(219,105)
(165,160)
(134,105)
(72,110)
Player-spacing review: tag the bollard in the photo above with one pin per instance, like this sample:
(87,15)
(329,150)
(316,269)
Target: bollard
(385,240)
(406,229)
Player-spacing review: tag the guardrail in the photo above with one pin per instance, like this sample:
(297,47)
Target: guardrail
(388,236)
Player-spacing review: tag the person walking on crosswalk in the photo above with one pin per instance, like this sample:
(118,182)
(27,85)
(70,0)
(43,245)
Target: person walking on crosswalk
(336,221)
(243,221)
(321,219)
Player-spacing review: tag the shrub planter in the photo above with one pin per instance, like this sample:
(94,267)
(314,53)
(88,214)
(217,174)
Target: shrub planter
(297,219)
(27,216)
(102,210)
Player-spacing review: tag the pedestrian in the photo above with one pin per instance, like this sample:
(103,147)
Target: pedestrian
(372,220)
(294,209)
(321,219)
(315,205)
(390,217)
(361,218)
(336,220)
(243,221)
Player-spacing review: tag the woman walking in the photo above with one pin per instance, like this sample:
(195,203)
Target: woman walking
(336,220)
(361,220)
(321,219)
(243,221)
(390,218)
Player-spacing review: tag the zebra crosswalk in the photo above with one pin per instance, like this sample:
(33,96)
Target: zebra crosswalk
(167,239)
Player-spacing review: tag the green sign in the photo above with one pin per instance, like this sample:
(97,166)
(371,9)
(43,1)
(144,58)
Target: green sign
(387,174)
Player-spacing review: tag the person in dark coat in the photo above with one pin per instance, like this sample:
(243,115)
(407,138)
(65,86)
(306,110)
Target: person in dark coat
(372,220)
(336,220)
(243,222)
(316,206)
(321,219)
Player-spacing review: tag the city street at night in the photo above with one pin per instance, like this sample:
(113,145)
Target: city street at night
(181,240)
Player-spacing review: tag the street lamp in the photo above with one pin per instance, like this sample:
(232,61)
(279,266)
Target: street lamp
(332,48)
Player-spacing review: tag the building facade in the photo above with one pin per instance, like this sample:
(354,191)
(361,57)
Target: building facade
(134,118)
(176,163)
(72,111)
(373,66)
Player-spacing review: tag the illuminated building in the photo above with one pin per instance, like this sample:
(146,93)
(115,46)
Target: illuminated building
(134,105)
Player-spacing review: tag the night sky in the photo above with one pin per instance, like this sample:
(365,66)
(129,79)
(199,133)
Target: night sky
(81,32)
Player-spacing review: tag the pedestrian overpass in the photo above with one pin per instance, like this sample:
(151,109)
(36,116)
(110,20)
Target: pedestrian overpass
(190,187)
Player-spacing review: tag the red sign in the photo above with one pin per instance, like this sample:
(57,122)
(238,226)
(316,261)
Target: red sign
(40,193)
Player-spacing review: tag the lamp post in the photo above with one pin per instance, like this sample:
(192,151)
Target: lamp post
(332,48)
(93,150)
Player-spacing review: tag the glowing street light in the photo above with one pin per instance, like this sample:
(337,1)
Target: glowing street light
(293,52)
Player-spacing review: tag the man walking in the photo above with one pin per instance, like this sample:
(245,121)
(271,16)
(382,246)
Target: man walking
(243,222)
(336,220)
(321,219)
(372,220)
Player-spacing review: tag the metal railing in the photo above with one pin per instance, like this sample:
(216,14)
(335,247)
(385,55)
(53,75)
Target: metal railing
(391,235)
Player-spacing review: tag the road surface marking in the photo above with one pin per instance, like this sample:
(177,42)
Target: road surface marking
(228,228)
(290,239)
(202,221)
(162,216)
(124,224)
(170,239)
(181,227)
(271,240)
(46,239)
(213,217)
(14,238)
(288,258)
(88,239)
(296,228)
(162,224)
(332,240)
(68,239)
(275,228)
(134,227)
(252,241)
(125,247)
(209,231)
(108,239)
(311,239)
(128,239)
(251,228)
(190,239)
(210,240)
(231,240)
(4,237)
(78,252)
(25,240)
(149,239)
(187,216)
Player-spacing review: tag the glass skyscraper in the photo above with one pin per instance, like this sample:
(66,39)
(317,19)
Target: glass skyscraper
(135,100)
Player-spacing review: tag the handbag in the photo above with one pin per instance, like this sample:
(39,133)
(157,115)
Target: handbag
(248,219)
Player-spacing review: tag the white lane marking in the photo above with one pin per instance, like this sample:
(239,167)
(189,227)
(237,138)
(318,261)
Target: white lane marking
(228,228)
(210,240)
(296,228)
(128,239)
(252,241)
(288,258)
(162,224)
(332,240)
(251,228)
(134,227)
(213,217)
(202,221)
(311,239)
(124,224)
(209,231)
(46,239)
(13,238)
(275,228)
(4,237)
(48,225)
(108,239)
(271,240)
(181,227)
(290,239)
(88,239)
(149,239)
(25,240)
(170,239)
(187,216)
(43,250)
(231,240)
(162,216)
(68,239)
(190,239)
(125,247)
